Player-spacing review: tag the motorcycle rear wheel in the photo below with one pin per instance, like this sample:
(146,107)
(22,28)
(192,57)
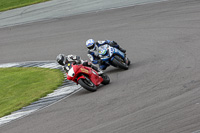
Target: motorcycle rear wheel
(87,84)
(106,79)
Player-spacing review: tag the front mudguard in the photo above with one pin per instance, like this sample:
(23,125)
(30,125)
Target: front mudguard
(94,78)
(80,77)
(126,60)
(69,77)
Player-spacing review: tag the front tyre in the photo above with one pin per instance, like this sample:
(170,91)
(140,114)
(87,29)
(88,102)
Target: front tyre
(106,79)
(118,61)
(87,84)
(129,62)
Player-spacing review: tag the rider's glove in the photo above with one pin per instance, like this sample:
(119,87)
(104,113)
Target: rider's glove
(86,63)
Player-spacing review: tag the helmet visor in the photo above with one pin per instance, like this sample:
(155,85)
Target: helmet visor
(91,47)
(61,60)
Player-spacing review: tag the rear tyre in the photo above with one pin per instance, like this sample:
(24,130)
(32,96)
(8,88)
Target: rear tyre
(87,84)
(118,61)
(106,79)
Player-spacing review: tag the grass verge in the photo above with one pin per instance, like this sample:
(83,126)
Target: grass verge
(11,4)
(21,86)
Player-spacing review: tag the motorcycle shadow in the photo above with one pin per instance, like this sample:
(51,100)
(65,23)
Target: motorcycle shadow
(115,70)
(85,92)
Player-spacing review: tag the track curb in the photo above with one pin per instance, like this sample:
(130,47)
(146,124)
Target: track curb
(67,89)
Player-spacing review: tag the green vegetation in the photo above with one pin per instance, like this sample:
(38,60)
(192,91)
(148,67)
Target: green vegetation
(11,4)
(21,86)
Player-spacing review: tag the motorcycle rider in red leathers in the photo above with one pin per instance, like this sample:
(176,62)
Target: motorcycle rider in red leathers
(64,60)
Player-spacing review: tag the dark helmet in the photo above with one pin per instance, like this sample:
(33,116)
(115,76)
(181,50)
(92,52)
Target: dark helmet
(61,59)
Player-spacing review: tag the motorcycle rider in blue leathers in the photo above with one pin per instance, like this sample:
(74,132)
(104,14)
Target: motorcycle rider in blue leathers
(93,51)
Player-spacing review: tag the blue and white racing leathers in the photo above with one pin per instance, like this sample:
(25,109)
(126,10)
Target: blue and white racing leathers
(93,54)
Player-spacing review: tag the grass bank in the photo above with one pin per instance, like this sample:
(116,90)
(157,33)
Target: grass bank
(21,86)
(11,4)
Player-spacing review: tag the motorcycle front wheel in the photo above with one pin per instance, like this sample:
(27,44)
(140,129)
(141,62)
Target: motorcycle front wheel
(87,84)
(118,61)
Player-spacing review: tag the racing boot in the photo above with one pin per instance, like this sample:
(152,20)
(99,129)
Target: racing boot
(100,72)
(114,44)
(97,69)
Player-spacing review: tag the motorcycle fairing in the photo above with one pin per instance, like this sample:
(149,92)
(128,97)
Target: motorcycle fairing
(110,52)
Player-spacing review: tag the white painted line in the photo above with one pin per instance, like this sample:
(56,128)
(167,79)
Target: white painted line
(65,90)
(196,131)
(51,65)
(14,116)
(8,65)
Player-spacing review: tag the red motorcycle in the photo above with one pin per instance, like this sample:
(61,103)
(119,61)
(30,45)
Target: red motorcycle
(87,77)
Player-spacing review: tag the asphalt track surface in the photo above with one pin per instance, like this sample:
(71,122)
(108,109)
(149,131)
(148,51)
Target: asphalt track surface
(62,8)
(160,93)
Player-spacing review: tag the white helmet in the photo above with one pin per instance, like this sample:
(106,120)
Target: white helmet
(90,44)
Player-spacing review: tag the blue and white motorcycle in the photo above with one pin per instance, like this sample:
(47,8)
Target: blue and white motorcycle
(113,56)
